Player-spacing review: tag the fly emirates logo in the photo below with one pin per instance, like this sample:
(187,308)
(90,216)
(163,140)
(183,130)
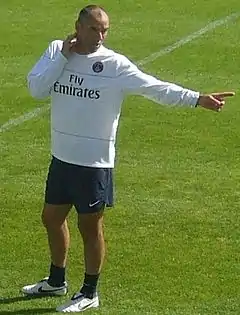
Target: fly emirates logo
(75,88)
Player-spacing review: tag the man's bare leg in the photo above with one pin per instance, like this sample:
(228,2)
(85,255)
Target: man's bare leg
(91,229)
(54,219)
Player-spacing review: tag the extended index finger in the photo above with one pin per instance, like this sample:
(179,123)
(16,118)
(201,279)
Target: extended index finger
(223,94)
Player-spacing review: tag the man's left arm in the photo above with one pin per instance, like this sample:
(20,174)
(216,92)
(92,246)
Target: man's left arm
(134,81)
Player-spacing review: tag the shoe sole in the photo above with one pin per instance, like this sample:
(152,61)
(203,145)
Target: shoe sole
(94,305)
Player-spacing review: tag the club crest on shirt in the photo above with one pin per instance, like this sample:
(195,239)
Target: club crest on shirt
(97,67)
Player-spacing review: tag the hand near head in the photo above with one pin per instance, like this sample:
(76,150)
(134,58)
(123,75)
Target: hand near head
(69,45)
(214,101)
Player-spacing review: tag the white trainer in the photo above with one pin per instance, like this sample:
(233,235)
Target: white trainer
(42,288)
(78,303)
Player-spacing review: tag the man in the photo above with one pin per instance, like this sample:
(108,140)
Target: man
(87,84)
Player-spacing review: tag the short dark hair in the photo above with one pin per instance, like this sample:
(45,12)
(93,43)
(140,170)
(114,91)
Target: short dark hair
(86,11)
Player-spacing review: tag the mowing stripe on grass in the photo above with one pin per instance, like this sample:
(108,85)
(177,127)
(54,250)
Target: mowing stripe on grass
(209,27)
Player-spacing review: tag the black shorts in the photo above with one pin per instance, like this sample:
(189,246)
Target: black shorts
(89,189)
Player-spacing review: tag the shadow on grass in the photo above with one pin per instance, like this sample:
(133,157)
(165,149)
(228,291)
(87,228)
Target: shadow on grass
(32,311)
(21,298)
(11,300)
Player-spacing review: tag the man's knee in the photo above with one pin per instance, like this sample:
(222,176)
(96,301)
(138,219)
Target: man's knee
(54,215)
(91,226)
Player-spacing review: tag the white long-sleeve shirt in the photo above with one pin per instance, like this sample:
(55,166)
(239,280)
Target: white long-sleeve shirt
(87,92)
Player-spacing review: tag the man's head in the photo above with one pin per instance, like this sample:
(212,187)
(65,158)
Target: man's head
(91,27)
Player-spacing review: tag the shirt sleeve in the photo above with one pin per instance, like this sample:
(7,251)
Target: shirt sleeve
(134,81)
(46,71)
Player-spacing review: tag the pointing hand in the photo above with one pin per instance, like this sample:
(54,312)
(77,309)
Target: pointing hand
(214,101)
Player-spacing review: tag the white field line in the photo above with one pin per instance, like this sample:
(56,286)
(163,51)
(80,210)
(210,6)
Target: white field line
(209,27)
(25,117)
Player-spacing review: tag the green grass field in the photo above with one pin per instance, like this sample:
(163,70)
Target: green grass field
(173,236)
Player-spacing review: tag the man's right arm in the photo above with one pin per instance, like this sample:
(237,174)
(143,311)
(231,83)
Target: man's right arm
(46,71)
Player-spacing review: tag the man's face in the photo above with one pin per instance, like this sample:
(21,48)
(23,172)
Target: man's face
(92,31)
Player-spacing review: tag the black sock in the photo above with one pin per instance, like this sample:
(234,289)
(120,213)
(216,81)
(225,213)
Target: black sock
(89,287)
(57,276)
